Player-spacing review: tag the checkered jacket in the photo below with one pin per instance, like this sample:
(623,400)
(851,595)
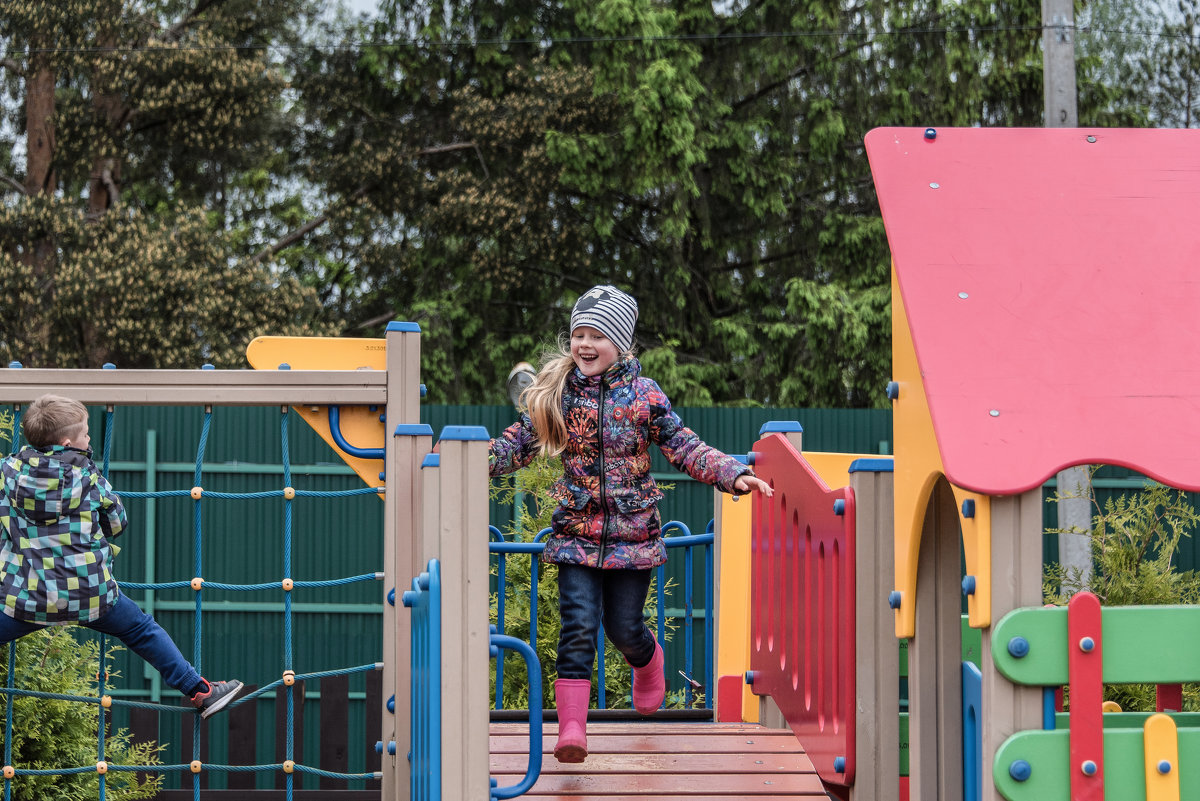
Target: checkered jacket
(57,513)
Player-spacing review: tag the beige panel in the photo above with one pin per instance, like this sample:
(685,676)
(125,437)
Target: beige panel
(1016,581)
(213,387)
(877,726)
(935,658)
(466,640)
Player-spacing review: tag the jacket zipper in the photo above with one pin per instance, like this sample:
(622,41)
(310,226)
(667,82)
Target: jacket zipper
(603,479)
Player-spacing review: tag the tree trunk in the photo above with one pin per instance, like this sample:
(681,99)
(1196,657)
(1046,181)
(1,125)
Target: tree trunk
(40,180)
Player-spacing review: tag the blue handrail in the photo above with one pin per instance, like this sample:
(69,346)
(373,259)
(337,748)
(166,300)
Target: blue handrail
(534,669)
(425,600)
(686,540)
(335,429)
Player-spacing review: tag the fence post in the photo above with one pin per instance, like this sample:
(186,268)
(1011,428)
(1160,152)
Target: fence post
(877,701)
(466,638)
(402,509)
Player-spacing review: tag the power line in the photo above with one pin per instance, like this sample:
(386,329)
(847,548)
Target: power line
(546,42)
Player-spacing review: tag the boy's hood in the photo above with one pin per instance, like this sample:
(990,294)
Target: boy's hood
(45,485)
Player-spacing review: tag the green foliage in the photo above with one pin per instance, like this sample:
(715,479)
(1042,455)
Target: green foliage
(53,733)
(133,211)
(136,290)
(1133,542)
(528,489)
(6,425)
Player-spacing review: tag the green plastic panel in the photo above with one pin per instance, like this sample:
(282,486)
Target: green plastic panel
(1047,753)
(1141,644)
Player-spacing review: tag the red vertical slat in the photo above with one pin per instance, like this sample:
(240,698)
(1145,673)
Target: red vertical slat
(802,653)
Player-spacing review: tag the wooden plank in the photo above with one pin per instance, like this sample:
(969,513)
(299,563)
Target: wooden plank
(275,795)
(679,784)
(374,717)
(551,796)
(658,761)
(195,387)
(243,734)
(622,744)
(335,722)
(662,763)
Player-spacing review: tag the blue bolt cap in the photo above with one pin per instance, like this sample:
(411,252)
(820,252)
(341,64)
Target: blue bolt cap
(839,764)
(968,507)
(1164,767)
(1087,644)
(391,704)
(392,596)
(968,585)
(1018,647)
(894,599)
(839,506)
(931,133)
(1020,770)
(1088,767)
(893,390)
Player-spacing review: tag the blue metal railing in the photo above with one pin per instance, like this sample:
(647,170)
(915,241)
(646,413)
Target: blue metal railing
(676,535)
(425,600)
(534,669)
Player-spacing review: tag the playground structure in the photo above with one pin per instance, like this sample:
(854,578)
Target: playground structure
(1001,241)
(1042,300)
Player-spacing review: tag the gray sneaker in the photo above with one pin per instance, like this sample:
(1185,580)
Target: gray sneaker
(218,696)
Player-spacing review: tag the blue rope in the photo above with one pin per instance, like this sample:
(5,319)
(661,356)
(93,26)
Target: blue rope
(11,692)
(287,596)
(12,646)
(255,496)
(8,713)
(102,657)
(266,585)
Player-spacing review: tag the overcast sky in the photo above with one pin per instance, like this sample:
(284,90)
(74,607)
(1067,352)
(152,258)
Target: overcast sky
(362,5)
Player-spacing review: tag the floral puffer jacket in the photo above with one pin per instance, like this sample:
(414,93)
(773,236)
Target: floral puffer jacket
(607,513)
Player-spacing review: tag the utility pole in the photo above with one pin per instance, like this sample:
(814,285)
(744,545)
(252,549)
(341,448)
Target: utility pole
(1058,83)
(1058,63)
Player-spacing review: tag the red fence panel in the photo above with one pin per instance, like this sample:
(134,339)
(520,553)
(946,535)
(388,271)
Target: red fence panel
(802,605)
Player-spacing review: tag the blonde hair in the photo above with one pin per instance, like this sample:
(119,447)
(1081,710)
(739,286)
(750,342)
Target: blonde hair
(52,418)
(543,398)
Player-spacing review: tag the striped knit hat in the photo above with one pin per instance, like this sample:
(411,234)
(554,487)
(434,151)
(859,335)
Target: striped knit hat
(610,311)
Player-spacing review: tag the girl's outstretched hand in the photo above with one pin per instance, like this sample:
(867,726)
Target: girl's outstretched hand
(746,483)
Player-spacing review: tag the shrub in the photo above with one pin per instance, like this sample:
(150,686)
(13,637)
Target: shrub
(59,733)
(528,490)
(1134,538)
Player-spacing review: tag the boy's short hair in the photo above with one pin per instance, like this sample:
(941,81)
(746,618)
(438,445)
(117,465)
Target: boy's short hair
(52,418)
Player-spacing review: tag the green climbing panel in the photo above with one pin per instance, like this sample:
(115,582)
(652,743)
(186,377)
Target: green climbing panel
(1140,645)
(1047,755)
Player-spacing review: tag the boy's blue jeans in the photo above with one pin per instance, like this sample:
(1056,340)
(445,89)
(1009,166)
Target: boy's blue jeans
(588,597)
(141,634)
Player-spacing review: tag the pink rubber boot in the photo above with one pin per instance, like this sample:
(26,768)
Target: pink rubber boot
(571,697)
(649,684)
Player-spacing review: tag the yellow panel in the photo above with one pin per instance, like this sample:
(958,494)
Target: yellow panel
(733,620)
(1161,746)
(917,462)
(977,553)
(360,426)
(834,468)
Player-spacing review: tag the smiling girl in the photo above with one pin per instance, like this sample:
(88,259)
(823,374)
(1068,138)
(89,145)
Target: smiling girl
(591,407)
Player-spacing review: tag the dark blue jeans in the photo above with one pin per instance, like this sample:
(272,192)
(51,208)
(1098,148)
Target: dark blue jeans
(589,597)
(141,634)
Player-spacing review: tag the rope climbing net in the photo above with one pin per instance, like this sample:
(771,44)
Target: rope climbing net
(286,584)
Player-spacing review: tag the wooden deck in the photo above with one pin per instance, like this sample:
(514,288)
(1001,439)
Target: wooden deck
(657,761)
